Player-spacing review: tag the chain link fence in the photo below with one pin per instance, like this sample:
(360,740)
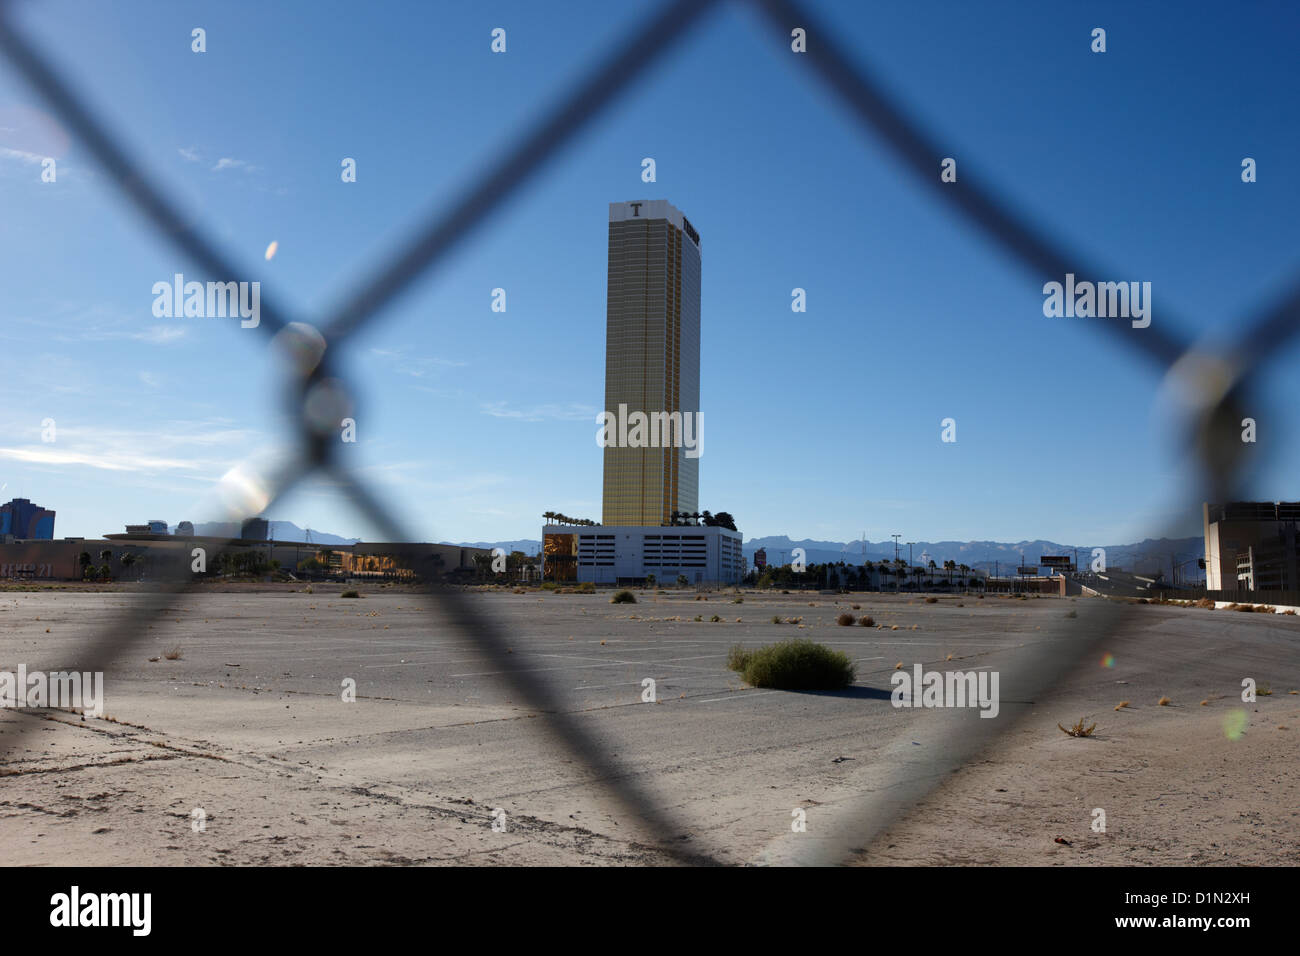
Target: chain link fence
(1216,386)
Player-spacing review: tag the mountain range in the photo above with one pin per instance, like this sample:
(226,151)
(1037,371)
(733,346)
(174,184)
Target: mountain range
(277,531)
(1150,554)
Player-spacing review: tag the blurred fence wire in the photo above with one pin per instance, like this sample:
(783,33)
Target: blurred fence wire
(1214,384)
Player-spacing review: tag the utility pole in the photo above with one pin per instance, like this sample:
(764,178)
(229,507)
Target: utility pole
(909,553)
(895,537)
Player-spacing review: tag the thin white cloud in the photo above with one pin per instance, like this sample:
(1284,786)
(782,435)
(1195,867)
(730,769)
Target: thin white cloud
(225,162)
(107,462)
(416,366)
(203,433)
(159,334)
(573,411)
(190,155)
(198,449)
(22,156)
(153,335)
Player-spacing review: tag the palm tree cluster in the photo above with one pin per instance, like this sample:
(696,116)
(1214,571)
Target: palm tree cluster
(900,571)
(696,518)
(555,517)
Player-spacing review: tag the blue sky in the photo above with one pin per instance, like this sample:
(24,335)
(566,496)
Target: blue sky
(823,424)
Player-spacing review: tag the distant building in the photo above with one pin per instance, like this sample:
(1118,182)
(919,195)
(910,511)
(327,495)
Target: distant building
(158,527)
(167,556)
(185,528)
(1252,546)
(760,558)
(401,558)
(255,529)
(652,364)
(137,529)
(22,519)
(652,393)
(627,554)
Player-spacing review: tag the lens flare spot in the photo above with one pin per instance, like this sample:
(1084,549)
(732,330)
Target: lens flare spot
(243,491)
(270,250)
(1234,725)
(1108,660)
(301,345)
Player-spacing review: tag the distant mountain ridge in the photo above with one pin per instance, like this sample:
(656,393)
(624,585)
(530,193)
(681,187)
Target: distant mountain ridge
(1150,554)
(277,531)
(527,546)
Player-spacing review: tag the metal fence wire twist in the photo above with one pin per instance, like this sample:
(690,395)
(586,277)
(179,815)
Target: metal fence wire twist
(314,390)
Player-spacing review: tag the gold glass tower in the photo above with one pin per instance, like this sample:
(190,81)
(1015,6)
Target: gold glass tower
(652,358)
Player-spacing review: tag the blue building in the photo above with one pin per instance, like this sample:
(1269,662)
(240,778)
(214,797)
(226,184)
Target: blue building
(22,519)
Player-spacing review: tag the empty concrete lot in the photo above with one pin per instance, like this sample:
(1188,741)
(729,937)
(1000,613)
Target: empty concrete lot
(249,728)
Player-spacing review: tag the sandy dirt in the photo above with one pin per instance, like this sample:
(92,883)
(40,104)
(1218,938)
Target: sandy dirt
(249,726)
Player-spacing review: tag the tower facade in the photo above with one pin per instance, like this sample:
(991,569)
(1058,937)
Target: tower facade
(652,365)
(22,519)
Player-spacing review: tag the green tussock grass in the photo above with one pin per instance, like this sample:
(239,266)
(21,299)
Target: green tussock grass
(792,665)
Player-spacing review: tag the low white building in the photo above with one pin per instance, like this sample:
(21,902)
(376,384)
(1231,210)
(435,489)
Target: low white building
(609,554)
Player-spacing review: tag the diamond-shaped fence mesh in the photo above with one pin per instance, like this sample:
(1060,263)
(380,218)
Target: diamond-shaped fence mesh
(905,776)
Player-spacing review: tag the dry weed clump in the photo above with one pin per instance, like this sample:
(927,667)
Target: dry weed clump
(1078,730)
